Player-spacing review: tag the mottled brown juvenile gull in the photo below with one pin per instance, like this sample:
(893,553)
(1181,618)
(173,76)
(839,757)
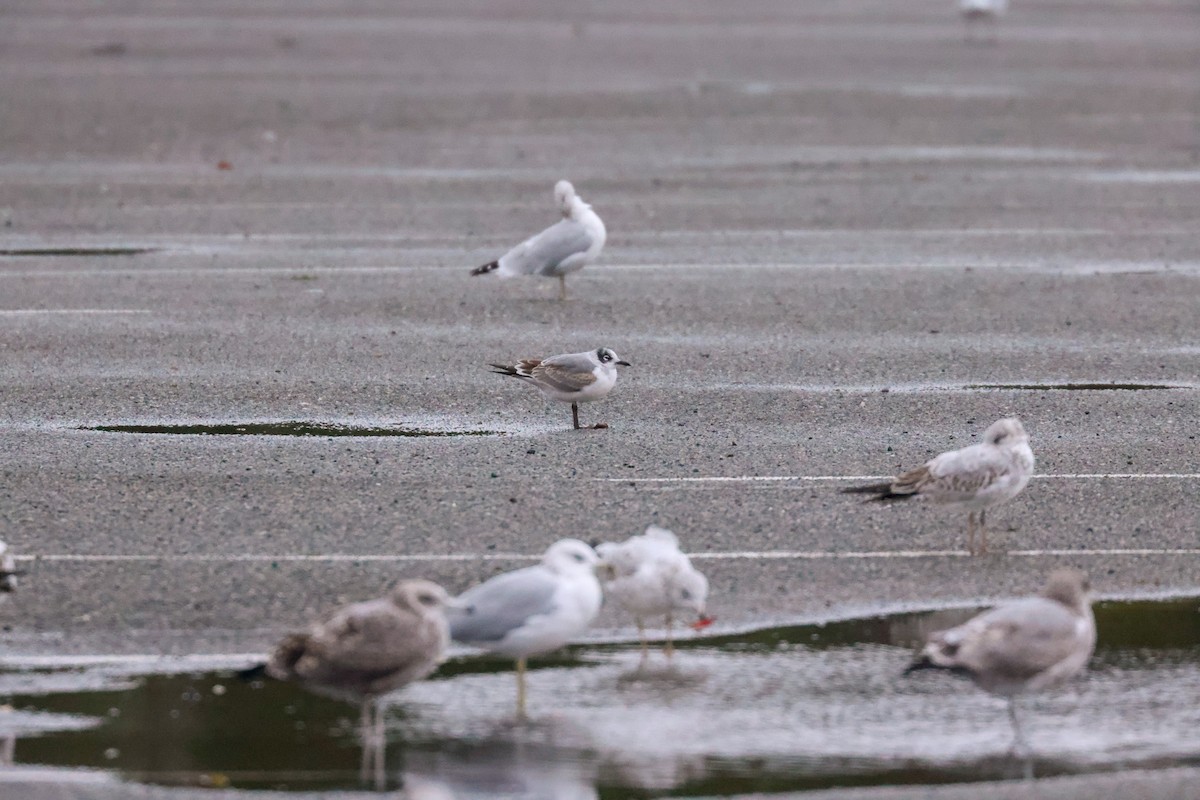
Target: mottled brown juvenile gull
(363,651)
(569,378)
(566,246)
(1023,646)
(974,477)
(531,610)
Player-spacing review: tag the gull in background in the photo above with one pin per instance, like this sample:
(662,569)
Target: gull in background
(566,246)
(648,575)
(1023,646)
(570,378)
(532,610)
(982,12)
(363,651)
(8,570)
(974,477)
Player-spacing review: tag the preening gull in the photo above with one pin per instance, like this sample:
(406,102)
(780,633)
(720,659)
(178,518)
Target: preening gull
(1024,646)
(648,575)
(363,651)
(569,378)
(566,246)
(974,477)
(531,610)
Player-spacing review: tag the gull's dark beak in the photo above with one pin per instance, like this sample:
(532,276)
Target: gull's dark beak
(624,364)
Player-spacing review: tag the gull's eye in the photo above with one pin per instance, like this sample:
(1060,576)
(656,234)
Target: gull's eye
(685,594)
(426,599)
(998,438)
(605,357)
(578,557)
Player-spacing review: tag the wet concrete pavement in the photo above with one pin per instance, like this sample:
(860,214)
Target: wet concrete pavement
(824,226)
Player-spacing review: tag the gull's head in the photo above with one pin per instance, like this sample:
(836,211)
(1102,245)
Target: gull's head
(661,534)
(1070,587)
(421,596)
(689,591)
(608,358)
(1006,432)
(570,555)
(564,197)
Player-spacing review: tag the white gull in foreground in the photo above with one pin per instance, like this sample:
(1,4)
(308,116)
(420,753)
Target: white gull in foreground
(1023,646)
(531,610)
(648,575)
(566,246)
(974,477)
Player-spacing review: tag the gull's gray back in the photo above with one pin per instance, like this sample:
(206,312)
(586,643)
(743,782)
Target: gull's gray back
(365,648)
(546,253)
(1010,646)
(502,604)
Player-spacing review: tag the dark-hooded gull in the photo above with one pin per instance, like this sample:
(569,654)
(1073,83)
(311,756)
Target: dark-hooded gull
(569,378)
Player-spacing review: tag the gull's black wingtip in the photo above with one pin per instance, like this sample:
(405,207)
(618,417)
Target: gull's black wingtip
(491,266)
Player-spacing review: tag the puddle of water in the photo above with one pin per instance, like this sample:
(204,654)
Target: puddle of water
(78,251)
(784,709)
(285,428)
(1075,387)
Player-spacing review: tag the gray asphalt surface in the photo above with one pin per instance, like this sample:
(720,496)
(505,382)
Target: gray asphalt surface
(825,222)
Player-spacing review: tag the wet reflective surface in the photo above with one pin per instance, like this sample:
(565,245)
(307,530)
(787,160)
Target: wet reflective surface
(283,428)
(790,708)
(1075,387)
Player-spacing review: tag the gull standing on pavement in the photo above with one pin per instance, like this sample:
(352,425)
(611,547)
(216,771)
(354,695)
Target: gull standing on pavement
(569,378)
(8,570)
(649,575)
(982,12)
(974,477)
(363,651)
(566,246)
(531,610)
(1023,646)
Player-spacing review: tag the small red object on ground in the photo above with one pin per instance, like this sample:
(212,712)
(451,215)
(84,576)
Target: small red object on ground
(703,623)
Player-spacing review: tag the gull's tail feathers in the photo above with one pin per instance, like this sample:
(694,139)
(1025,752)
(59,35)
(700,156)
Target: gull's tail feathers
(882,491)
(522,369)
(491,266)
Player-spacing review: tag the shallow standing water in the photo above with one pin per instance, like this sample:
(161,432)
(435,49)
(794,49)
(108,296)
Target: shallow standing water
(792,708)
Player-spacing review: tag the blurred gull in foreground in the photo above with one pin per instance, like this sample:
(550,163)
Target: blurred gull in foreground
(1023,646)
(648,575)
(569,378)
(363,651)
(531,610)
(566,246)
(974,477)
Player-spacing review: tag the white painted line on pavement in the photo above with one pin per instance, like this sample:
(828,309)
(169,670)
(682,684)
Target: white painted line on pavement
(733,555)
(1072,476)
(29,312)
